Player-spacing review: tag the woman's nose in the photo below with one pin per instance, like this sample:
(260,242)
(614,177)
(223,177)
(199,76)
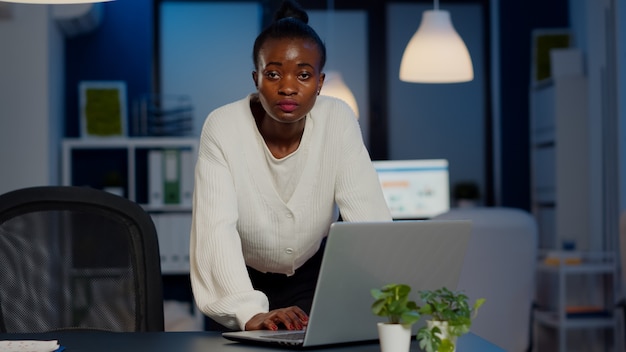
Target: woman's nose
(288,86)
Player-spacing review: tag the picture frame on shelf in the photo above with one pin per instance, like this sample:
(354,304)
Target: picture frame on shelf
(103,109)
(543,41)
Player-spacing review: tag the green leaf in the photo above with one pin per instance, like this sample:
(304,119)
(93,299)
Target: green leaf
(446,346)
(449,306)
(410,317)
(379,307)
(426,309)
(428,341)
(392,301)
(376,293)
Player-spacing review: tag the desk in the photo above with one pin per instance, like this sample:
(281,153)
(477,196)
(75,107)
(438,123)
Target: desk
(89,341)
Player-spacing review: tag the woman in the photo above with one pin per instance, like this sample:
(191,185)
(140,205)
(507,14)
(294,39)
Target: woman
(274,170)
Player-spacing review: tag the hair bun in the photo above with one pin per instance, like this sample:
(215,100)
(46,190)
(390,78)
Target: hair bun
(291,9)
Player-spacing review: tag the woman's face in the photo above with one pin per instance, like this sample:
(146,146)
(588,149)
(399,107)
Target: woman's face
(288,78)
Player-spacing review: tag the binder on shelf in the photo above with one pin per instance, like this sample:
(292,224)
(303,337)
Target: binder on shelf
(187,176)
(164,240)
(184,243)
(174,238)
(173,232)
(181,228)
(171,176)
(155,177)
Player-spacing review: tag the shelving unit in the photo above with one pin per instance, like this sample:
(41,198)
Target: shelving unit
(124,156)
(560,150)
(599,267)
(124,162)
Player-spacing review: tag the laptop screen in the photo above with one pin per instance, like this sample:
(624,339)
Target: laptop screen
(415,189)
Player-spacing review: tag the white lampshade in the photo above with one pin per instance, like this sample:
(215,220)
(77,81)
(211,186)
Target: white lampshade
(54,2)
(436,53)
(334,86)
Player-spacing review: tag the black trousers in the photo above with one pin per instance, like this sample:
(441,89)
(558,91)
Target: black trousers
(296,290)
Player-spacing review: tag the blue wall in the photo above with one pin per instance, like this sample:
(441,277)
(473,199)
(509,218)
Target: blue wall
(121,48)
(517,20)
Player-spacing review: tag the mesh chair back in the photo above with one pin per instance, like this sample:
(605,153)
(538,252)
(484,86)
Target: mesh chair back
(77,258)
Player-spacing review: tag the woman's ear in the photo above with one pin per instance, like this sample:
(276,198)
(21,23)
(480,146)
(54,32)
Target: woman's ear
(320,83)
(254,78)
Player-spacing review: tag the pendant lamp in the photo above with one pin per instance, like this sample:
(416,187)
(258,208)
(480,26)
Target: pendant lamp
(436,53)
(54,2)
(334,86)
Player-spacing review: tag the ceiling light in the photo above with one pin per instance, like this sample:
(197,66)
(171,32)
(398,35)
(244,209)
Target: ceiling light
(334,86)
(436,53)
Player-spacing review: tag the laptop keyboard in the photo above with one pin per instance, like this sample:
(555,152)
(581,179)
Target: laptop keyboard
(286,336)
(294,338)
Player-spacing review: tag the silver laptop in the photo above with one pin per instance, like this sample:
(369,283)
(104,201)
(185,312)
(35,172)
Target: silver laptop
(426,254)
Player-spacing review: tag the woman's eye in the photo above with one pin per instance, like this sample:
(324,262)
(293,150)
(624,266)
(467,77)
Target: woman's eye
(271,75)
(305,75)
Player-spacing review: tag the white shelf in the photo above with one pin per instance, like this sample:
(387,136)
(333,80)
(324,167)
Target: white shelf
(590,262)
(129,158)
(551,319)
(168,208)
(564,265)
(106,143)
(577,268)
(130,146)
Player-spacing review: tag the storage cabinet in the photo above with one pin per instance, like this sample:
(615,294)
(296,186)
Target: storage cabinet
(127,166)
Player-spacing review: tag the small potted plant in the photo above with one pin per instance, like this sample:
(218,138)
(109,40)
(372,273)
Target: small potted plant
(392,301)
(466,194)
(449,316)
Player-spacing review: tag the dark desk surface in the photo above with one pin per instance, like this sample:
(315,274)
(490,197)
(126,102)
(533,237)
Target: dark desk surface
(198,342)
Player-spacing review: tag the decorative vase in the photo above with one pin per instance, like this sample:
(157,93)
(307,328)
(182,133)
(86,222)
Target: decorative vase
(394,337)
(443,334)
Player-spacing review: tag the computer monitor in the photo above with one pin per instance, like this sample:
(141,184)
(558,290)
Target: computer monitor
(415,189)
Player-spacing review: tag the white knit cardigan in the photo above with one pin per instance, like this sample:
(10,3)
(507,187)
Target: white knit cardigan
(239,218)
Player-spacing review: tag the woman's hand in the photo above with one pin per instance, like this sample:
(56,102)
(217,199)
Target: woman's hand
(292,318)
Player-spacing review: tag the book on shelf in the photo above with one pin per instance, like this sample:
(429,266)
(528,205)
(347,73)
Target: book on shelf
(155,177)
(586,312)
(563,257)
(186,176)
(164,241)
(171,176)
(173,231)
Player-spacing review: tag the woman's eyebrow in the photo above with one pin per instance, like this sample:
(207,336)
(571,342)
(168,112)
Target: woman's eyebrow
(305,64)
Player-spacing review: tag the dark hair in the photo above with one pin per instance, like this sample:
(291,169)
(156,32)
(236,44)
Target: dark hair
(290,21)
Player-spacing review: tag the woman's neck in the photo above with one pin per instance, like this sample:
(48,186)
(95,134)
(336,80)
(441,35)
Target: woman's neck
(281,139)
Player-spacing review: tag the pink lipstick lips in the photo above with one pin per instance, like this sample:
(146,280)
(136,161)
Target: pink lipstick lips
(287,105)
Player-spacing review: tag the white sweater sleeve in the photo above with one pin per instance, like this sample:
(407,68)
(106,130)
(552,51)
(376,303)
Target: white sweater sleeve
(358,192)
(219,278)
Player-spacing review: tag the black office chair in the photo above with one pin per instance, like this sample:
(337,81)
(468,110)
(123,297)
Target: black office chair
(77,258)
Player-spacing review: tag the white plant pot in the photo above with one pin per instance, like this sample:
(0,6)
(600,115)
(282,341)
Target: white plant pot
(444,334)
(394,337)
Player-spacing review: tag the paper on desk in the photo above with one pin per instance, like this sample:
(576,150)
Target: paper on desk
(29,346)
